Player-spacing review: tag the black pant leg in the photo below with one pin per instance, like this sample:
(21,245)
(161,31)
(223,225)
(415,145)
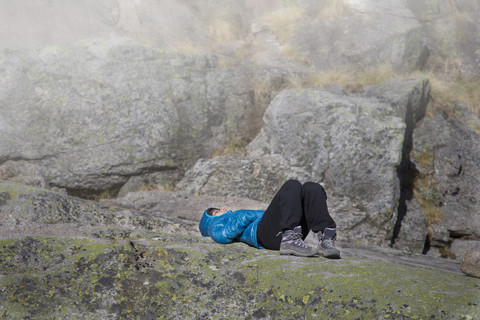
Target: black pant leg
(284,212)
(315,207)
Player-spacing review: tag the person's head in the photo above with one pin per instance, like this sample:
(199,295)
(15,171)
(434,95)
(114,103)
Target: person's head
(216,211)
(208,217)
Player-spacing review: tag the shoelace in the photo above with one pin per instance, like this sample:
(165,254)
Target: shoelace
(296,238)
(328,243)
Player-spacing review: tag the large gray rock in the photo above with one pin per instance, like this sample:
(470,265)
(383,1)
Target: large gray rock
(471,263)
(255,178)
(29,211)
(89,117)
(447,155)
(460,247)
(351,144)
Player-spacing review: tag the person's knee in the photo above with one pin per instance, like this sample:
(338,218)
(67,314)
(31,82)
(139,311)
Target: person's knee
(313,187)
(293,183)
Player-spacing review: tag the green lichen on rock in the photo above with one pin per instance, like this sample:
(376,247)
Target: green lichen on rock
(183,277)
(90,261)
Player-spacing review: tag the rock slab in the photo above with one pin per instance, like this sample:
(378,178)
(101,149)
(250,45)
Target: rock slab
(72,258)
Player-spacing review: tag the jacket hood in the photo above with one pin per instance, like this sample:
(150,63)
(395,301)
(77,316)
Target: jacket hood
(207,220)
(205,223)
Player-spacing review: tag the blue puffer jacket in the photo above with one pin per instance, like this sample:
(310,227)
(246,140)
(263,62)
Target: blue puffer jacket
(240,225)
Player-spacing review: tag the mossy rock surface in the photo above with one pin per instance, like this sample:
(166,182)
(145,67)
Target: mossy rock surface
(85,268)
(164,276)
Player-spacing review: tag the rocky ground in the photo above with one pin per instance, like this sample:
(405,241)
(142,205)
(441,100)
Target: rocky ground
(103,262)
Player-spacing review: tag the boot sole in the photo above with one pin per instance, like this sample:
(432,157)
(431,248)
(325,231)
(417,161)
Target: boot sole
(296,253)
(330,255)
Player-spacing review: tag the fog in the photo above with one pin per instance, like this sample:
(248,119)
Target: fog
(311,32)
(36,24)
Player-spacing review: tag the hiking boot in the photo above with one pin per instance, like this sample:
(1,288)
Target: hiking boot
(292,243)
(326,244)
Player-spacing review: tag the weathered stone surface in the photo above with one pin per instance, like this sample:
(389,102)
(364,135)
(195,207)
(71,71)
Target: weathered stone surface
(413,231)
(460,247)
(29,211)
(249,177)
(471,263)
(89,117)
(449,163)
(328,136)
(408,97)
(91,261)
(175,204)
